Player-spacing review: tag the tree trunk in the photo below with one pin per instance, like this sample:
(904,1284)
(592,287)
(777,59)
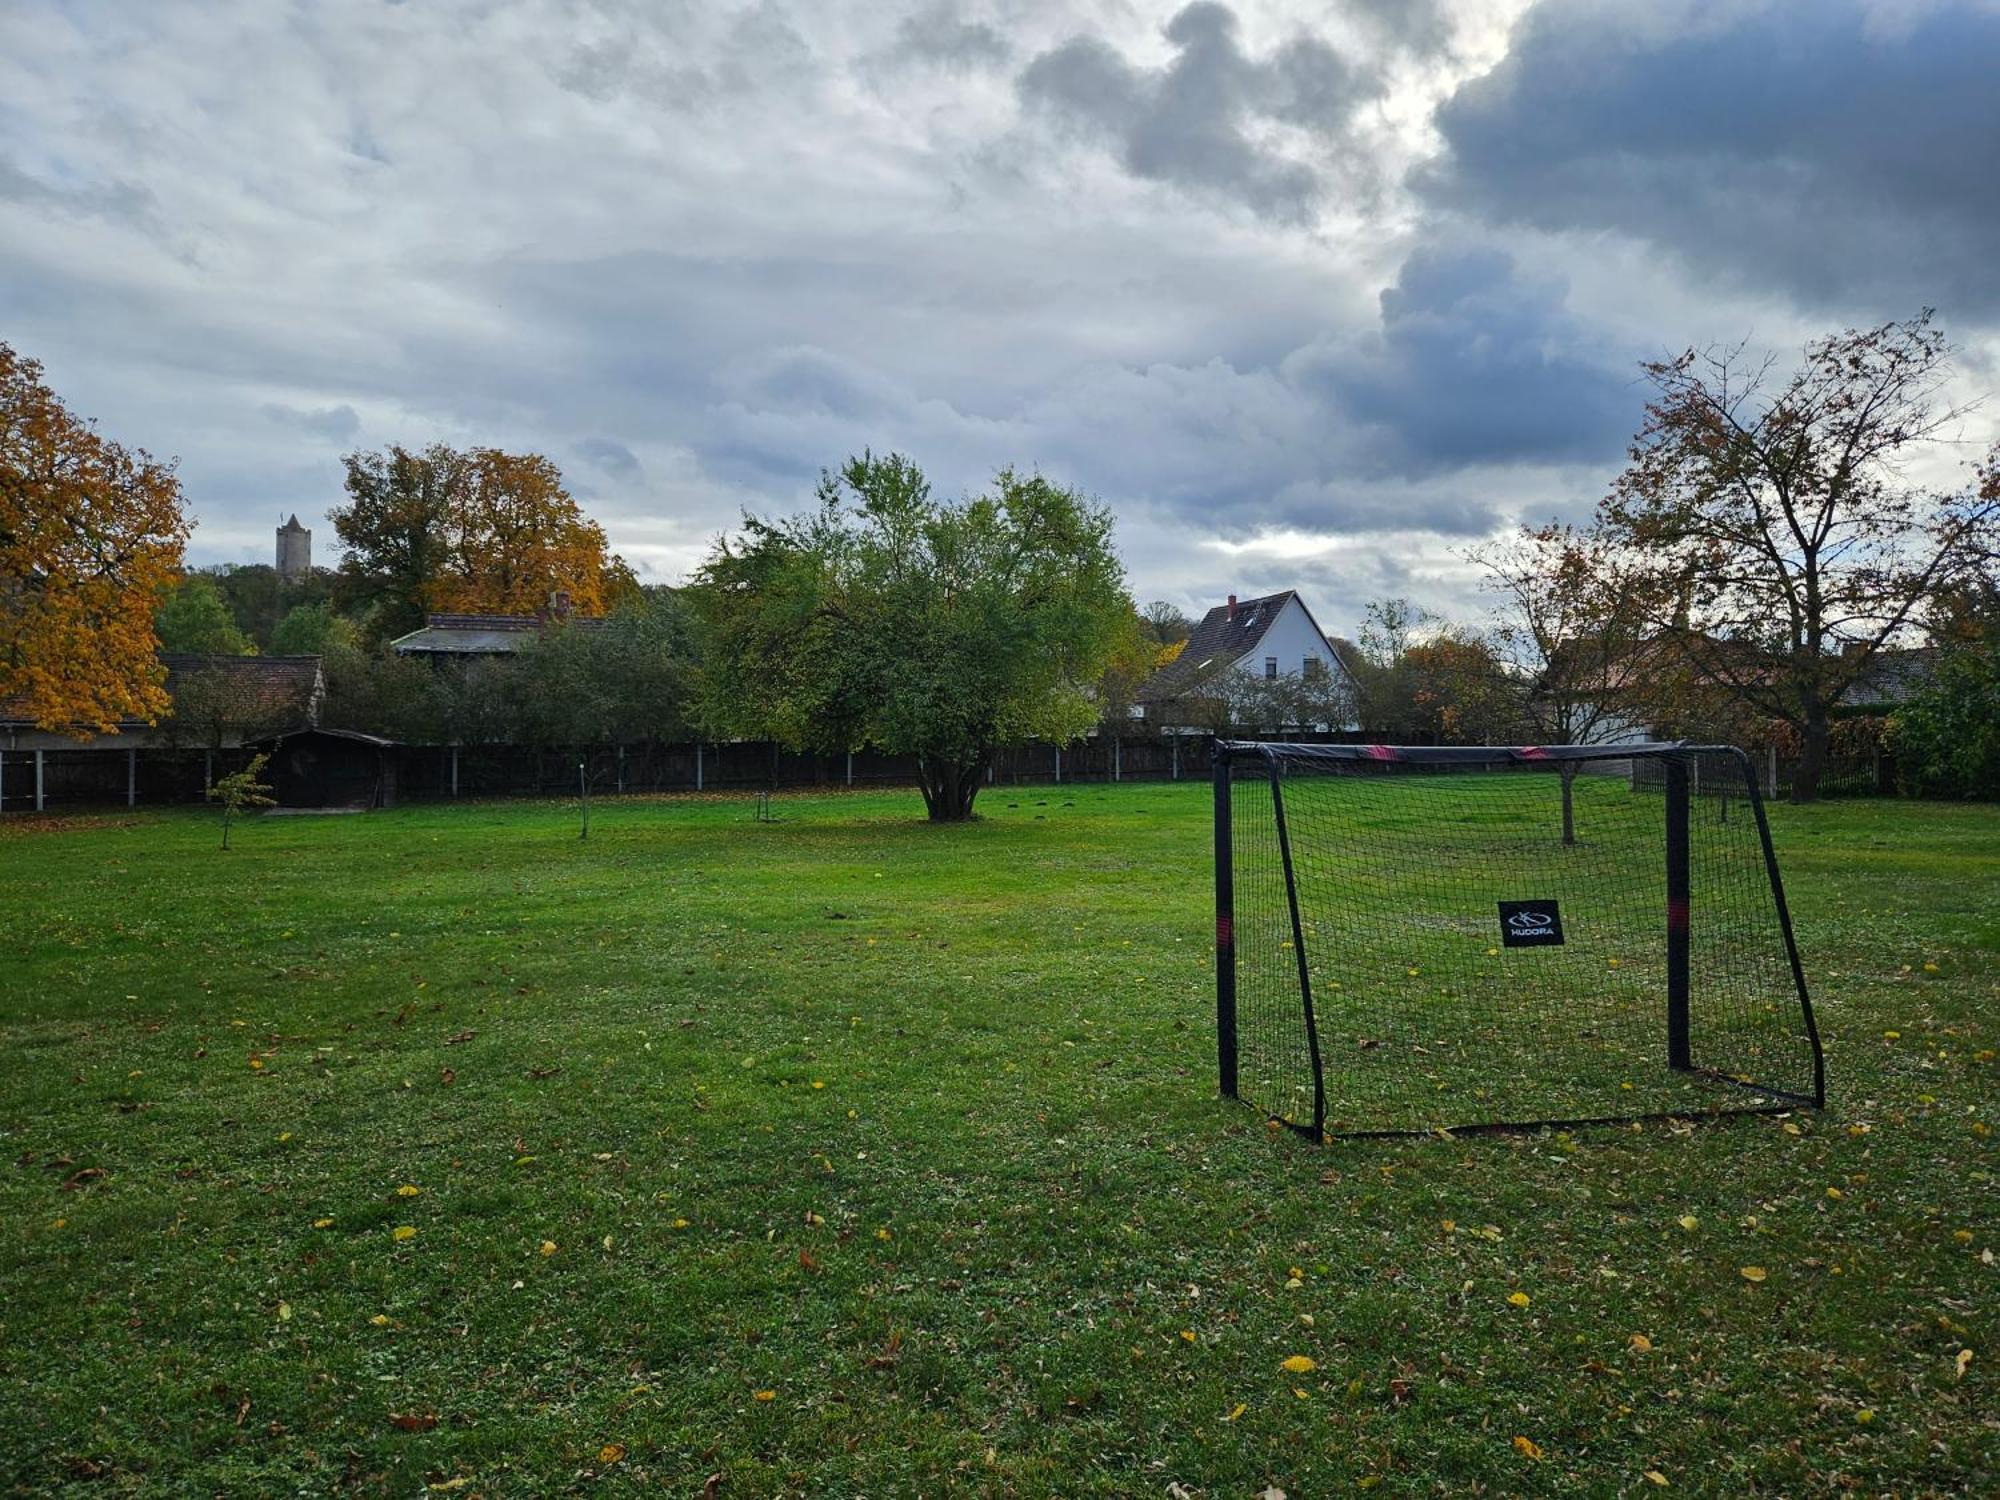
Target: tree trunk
(1568,774)
(1812,755)
(949,787)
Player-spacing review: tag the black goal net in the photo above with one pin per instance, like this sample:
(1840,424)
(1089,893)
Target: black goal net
(1411,939)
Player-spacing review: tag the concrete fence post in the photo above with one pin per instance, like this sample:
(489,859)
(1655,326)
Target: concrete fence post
(39,754)
(131,777)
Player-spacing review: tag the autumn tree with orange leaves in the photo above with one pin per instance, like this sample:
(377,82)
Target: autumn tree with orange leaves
(473,531)
(91,532)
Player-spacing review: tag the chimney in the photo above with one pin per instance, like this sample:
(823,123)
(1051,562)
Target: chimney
(1232,607)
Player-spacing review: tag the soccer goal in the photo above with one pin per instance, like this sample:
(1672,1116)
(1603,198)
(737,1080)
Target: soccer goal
(1410,939)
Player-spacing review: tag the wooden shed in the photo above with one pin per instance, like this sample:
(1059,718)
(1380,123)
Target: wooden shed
(332,768)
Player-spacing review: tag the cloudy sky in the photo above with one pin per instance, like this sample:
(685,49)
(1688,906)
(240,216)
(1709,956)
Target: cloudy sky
(1312,295)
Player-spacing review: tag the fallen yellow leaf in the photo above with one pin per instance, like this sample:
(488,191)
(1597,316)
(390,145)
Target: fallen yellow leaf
(1753,1273)
(1962,1363)
(1864,1416)
(1298,1364)
(548,1247)
(1654,1476)
(765,1395)
(1527,1447)
(1518,1299)
(1237,1411)
(408,1190)
(1690,1223)
(610,1453)
(403,1232)
(1642,1344)
(322,1223)
(380,1320)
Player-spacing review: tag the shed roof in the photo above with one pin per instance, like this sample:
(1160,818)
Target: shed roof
(354,735)
(476,635)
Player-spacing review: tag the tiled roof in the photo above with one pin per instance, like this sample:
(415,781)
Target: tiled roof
(1222,639)
(1894,676)
(272,687)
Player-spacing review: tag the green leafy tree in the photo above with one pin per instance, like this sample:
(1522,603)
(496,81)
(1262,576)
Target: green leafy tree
(194,619)
(618,681)
(396,696)
(396,527)
(259,599)
(1947,736)
(311,630)
(887,618)
(240,790)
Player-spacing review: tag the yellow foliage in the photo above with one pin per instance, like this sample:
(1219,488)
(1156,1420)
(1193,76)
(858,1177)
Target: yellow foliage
(90,535)
(518,538)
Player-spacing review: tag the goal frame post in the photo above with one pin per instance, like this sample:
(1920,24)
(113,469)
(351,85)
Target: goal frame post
(1679,917)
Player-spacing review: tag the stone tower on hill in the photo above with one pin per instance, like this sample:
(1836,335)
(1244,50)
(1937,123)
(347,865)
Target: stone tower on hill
(295,551)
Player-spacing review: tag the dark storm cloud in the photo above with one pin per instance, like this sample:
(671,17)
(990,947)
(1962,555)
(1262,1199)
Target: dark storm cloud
(609,456)
(336,423)
(1812,149)
(1198,122)
(115,199)
(1415,25)
(942,38)
(1478,364)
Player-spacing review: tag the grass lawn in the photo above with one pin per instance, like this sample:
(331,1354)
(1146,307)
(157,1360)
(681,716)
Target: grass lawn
(849,1155)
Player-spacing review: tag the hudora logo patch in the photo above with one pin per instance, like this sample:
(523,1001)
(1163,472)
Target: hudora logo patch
(1530,924)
